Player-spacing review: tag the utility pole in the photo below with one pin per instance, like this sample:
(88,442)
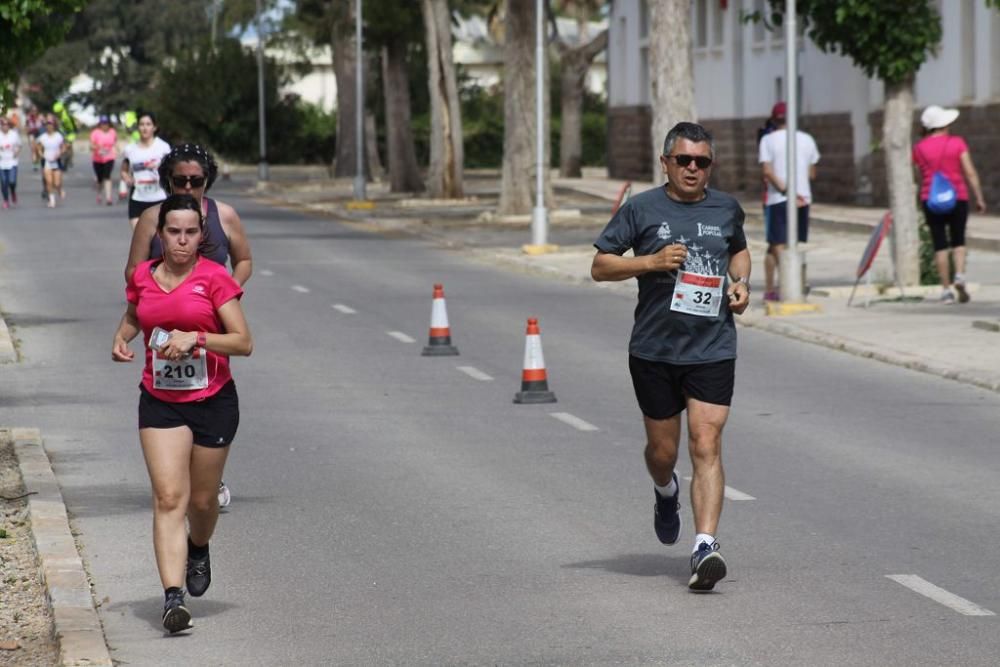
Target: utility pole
(359,173)
(262,165)
(791,261)
(539,215)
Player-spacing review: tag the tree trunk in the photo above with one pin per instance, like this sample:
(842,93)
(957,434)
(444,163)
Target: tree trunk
(373,162)
(575,63)
(345,70)
(404,173)
(519,159)
(897,128)
(670,72)
(445,173)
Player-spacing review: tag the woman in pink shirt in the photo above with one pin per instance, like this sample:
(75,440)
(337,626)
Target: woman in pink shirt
(940,151)
(188,311)
(103,141)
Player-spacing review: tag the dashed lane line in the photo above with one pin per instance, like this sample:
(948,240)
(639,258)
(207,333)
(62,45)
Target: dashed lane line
(475,373)
(266,272)
(301,289)
(401,337)
(574,421)
(732,494)
(927,589)
(347,310)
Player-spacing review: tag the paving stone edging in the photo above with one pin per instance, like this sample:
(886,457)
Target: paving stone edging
(78,629)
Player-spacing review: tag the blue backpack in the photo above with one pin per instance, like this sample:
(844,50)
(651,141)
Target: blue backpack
(942,196)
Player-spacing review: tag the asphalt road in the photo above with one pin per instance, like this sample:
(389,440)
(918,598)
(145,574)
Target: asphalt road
(393,509)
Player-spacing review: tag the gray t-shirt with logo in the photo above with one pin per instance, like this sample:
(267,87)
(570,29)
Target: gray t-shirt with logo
(712,230)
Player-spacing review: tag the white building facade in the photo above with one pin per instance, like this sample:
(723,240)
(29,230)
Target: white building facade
(739,73)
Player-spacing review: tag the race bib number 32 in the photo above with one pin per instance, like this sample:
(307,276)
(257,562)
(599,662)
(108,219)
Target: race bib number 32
(697,294)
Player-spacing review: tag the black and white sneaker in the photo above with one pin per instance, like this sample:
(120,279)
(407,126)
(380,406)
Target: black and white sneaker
(199,575)
(708,567)
(176,616)
(666,517)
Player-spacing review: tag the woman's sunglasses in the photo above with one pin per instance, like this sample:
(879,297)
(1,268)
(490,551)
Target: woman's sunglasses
(180,182)
(700,161)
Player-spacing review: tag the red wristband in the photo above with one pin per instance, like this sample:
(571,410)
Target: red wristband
(202,339)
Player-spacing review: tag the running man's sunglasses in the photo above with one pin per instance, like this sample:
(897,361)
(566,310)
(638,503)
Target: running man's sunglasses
(181,181)
(700,161)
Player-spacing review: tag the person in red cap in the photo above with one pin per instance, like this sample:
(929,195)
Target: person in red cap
(774,166)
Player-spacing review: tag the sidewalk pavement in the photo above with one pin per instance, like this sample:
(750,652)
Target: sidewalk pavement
(916,331)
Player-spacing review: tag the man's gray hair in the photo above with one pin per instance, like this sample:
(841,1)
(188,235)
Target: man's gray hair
(690,131)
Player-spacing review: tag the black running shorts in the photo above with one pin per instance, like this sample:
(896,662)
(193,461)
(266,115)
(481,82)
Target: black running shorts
(213,421)
(135,208)
(662,389)
(102,170)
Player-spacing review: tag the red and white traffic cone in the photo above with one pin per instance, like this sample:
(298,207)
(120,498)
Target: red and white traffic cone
(534,381)
(439,340)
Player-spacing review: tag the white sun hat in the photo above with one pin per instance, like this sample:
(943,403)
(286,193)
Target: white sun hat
(934,117)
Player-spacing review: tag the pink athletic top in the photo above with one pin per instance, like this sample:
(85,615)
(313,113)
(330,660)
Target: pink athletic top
(191,306)
(102,145)
(941,153)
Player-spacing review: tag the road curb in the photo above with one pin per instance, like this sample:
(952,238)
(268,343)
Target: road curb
(8,353)
(78,629)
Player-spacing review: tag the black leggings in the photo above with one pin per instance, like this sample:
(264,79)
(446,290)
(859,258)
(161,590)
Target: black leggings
(948,229)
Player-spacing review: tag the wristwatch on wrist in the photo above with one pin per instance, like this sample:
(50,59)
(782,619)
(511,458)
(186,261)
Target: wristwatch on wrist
(743,281)
(202,339)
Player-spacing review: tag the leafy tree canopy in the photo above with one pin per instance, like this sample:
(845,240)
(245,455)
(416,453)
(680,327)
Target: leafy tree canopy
(27,29)
(887,39)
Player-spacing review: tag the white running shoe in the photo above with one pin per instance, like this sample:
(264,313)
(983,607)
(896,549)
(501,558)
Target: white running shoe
(224,496)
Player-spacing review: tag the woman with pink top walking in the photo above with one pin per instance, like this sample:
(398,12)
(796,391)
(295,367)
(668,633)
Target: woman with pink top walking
(942,154)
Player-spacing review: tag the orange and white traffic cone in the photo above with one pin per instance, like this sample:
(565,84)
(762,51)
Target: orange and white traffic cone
(534,382)
(439,340)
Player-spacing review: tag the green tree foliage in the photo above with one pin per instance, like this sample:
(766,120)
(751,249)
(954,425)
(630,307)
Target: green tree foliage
(27,29)
(887,39)
(125,47)
(210,96)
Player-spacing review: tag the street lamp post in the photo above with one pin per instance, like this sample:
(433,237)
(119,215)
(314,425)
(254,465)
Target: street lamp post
(791,261)
(359,173)
(262,165)
(539,215)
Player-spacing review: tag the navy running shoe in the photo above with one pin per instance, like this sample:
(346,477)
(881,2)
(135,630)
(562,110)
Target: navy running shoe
(666,517)
(199,575)
(176,616)
(708,567)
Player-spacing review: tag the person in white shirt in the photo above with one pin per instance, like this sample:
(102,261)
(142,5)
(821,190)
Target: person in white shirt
(773,161)
(140,168)
(52,146)
(10,149)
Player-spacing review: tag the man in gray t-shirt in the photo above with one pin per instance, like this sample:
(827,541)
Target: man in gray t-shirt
(693,268)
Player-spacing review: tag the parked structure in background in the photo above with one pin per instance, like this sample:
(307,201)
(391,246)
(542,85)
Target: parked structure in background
(839,105)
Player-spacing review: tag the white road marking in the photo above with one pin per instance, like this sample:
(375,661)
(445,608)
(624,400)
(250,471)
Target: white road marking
(940,595)
(401,337)
(731,493)
(266,272)
(344,309)
(475,373)
(300,288)
(574,421)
